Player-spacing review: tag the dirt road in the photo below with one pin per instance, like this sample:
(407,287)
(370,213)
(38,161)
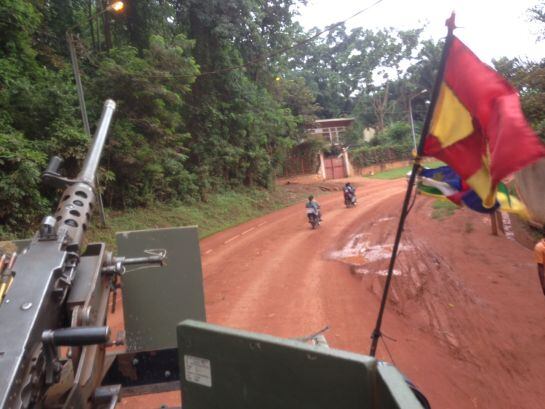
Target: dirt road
(465,320)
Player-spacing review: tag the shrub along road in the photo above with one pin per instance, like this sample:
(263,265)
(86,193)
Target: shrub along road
(464,321)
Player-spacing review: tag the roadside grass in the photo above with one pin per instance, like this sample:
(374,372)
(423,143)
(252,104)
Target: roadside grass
(442,209)
(219,212)
(401,172)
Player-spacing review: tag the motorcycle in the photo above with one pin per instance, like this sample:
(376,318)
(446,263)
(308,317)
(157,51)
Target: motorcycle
(313,217)
(349,198)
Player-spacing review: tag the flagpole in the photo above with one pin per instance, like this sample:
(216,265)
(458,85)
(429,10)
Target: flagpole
(416,166)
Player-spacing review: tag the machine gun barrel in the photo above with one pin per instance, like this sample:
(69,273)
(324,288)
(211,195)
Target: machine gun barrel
(90,166)
(76,206)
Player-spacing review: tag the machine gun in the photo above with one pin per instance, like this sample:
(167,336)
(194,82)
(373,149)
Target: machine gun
(54,298)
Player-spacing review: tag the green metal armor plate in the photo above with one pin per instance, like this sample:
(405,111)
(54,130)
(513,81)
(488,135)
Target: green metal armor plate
(156,299)
(227,368)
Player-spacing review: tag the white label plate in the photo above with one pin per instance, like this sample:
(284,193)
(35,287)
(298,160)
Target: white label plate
(197,370)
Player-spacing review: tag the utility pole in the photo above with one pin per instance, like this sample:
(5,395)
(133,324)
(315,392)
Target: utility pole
(79,86)
(411,115)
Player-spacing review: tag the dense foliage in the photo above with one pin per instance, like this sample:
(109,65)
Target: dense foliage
(177,134)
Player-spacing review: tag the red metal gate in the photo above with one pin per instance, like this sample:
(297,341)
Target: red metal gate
(334,168)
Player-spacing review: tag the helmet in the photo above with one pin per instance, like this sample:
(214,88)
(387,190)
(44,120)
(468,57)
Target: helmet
(310,197)
(347,184)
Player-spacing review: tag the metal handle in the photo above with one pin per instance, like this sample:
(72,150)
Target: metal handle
(54,164)
(79,336)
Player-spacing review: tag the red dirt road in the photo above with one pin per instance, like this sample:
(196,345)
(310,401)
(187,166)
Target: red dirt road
(465,317)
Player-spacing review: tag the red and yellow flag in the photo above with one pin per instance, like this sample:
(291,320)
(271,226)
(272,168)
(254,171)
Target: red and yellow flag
(477,126)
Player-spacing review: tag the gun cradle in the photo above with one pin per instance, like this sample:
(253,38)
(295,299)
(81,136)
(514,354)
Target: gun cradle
(53,286)
(35,302)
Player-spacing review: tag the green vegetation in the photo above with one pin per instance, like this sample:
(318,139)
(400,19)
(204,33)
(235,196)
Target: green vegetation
(402,172)
(443,209)
(213,95)
(376,155)
(393,143)
(179,134)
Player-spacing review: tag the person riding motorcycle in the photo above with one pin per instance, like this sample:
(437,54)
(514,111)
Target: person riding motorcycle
(313,204)
(349,193)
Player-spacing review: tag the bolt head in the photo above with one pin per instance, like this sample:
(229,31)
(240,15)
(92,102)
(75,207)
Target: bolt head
(26,306)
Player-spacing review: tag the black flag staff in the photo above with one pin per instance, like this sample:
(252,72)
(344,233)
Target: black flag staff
(416,167)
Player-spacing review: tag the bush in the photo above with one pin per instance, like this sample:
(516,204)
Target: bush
(21,203)
(397,133)
(376,155)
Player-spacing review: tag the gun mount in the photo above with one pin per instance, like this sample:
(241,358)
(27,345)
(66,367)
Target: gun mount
(55,295)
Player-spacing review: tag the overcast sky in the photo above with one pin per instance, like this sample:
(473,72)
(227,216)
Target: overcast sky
(491,28)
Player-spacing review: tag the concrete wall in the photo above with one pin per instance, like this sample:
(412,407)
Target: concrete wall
(530,183)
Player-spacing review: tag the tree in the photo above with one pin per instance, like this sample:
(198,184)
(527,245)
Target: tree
(148,148)
(38,115)
(295,95)
(237,128)
(343,66)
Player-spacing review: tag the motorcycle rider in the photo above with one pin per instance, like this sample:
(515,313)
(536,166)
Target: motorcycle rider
(349,191)
(313,204)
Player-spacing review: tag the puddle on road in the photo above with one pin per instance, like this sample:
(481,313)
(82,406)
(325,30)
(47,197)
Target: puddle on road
(359,252)
(358,260)
(365,271)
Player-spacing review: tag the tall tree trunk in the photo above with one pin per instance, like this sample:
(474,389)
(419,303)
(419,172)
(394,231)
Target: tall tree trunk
(91,25)
(135,11)
(106,26)
(98,6)
(380,106)
(179,13)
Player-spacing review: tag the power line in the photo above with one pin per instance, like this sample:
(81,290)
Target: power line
(274,53)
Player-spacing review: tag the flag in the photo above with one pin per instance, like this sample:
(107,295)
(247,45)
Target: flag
(450,185)
(477,126)
(443,182)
